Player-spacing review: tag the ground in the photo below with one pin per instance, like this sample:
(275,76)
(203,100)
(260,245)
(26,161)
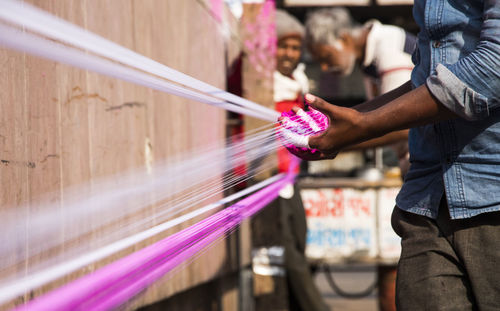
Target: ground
(349,281)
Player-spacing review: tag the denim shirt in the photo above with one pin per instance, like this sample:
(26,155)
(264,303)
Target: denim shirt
(458,58)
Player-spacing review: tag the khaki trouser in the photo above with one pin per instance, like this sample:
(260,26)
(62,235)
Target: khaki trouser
(448,264)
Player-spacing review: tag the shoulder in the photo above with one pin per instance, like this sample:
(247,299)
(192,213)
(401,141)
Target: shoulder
(387,36)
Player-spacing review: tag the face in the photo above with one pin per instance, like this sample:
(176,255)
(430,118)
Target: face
(338,58)
(288,55)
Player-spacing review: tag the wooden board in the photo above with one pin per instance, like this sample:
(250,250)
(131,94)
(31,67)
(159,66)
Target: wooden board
(14,162)
(62,127)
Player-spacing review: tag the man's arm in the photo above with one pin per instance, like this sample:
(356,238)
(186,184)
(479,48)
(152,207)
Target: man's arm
(375,118)
(383,99)
(387,139)
(364,107)
(470,87)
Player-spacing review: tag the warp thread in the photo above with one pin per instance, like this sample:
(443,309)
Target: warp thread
(116,283)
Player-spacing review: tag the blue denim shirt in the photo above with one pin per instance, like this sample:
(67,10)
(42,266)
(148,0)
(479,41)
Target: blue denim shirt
(458,58)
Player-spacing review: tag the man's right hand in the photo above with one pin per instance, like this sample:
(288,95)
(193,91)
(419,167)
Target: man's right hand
(345,128)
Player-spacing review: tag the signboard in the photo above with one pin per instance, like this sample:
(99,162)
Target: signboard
(389,242)
(341,223)
(350,224)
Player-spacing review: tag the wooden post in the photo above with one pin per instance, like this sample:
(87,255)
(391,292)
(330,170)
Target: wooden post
(258,32)
(259,45)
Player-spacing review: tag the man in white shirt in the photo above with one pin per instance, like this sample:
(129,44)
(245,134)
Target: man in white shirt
(384,54)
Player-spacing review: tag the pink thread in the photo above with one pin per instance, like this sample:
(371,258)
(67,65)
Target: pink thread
(217,9)
(112,285)
(298,125)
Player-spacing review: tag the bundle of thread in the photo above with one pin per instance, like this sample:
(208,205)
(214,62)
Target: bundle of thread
(297,126)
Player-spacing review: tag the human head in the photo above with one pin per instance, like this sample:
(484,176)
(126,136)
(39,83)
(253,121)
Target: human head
(290,33)
(330,37)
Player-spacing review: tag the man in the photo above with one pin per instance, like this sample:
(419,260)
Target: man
(447,211)
(290,85)
(384,54)
(382,51)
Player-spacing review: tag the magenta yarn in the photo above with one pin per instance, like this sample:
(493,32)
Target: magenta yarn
(300,126)
(116,283)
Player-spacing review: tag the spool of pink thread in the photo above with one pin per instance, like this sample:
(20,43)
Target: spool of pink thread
(297,127)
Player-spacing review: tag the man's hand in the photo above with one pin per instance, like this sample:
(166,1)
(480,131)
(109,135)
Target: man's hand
(297,128)
(345,127)
(308,156)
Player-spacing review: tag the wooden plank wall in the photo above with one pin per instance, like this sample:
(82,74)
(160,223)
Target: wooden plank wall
(259,43)
(61,126)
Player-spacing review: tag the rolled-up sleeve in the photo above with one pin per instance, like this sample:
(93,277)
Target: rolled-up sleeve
(471,86)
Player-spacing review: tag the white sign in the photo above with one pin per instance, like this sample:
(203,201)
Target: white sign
(341,223)
(348,223)
(389,241)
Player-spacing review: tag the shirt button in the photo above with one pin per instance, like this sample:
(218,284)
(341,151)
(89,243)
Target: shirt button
(436,44)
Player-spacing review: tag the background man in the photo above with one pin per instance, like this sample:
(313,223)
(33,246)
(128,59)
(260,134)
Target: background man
(382,51)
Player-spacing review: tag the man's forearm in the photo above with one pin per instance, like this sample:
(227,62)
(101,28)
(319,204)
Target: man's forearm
(383,99)
(350,126)
(414,108)
(387,139)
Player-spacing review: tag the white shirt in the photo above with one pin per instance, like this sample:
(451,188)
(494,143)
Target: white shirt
(286,88)
(385,51)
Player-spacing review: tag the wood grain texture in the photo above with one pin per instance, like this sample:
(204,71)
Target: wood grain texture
(14,162)
(62,127)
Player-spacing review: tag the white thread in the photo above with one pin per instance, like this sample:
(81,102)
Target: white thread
(309,120)
(289,123)
(295,139)
(193,172)
(43,277)
(18,40)
(71,263)
(34,19)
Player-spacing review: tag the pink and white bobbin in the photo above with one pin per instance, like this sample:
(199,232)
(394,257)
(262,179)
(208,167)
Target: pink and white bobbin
(296,128)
